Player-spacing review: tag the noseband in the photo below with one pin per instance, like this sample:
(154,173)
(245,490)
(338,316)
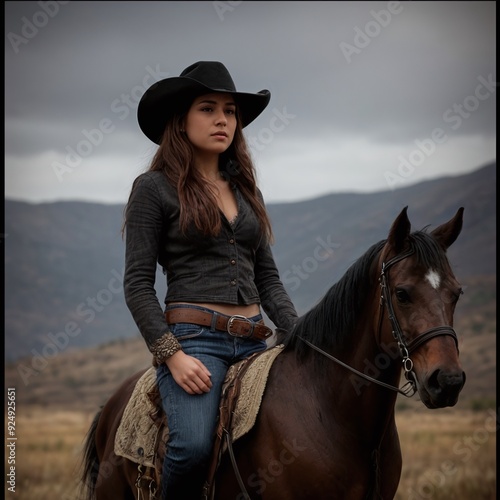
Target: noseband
(410,388)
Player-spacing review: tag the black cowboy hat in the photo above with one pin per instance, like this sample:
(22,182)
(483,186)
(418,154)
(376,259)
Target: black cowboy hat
(174,94)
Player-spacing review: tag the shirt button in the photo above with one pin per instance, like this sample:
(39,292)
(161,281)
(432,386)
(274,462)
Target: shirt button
(231,241)
(233,262)
(233,282)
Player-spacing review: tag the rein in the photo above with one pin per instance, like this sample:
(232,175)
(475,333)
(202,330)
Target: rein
(410,388)
(405,390)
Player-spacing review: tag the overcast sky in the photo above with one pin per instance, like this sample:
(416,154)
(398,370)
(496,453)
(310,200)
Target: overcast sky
(365,96)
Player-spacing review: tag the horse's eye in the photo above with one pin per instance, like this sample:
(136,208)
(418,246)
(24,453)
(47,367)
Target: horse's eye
(402,296)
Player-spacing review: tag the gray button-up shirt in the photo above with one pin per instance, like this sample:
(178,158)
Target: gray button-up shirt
(235,267)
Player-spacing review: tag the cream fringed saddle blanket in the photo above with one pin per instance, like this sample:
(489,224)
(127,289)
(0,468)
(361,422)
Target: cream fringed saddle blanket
(138,435)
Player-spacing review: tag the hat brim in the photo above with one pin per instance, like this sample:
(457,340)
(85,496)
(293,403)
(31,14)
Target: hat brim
(172,95)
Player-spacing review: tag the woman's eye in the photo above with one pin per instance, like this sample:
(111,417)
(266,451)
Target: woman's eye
(402,296)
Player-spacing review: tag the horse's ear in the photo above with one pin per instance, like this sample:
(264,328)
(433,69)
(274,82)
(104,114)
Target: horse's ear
(400,230)
(448,232)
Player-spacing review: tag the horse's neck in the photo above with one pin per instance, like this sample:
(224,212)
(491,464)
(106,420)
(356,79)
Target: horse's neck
(374,403)
(369,407)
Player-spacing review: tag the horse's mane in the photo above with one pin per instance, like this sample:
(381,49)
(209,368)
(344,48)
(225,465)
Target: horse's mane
(330,322)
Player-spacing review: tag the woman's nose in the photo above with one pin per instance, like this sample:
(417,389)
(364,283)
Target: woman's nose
(221,118)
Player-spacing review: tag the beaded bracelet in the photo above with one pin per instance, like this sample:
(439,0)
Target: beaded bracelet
(164,347)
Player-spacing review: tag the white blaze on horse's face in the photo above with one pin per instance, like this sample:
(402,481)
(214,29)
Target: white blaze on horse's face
(433,278)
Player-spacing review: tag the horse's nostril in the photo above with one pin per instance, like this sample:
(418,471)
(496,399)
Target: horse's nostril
(433,382)
(449,383)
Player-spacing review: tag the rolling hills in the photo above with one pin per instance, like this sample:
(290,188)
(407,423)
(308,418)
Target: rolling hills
(70,339)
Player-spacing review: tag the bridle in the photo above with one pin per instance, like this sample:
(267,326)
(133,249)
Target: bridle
(410,388)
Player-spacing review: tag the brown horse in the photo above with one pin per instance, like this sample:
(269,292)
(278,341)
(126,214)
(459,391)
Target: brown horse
(326,426)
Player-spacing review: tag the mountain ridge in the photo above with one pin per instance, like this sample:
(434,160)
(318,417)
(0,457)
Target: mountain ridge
(64,260)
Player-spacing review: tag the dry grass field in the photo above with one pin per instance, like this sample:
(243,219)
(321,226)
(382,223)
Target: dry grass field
(447,454)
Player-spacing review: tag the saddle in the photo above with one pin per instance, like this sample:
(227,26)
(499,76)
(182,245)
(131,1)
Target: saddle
(142,435)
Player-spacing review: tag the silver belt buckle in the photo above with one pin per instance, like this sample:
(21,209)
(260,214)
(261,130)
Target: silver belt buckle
(243,318)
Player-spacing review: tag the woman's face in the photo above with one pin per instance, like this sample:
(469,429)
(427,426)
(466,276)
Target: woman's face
(211,122)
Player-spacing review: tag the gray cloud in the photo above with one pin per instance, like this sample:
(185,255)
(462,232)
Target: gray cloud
(363,81)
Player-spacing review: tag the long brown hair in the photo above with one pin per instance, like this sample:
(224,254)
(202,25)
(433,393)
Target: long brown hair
(198,205)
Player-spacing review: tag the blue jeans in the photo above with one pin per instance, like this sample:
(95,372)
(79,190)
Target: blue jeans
(192,419)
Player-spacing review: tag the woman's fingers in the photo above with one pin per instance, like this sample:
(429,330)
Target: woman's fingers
(190,373)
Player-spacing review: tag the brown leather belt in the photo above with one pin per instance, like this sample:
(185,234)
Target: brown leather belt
(237,326)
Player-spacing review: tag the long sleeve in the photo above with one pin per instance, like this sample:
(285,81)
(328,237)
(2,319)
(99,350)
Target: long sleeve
(144,222)
(274,298)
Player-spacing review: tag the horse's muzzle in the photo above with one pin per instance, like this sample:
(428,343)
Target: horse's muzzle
(442,388)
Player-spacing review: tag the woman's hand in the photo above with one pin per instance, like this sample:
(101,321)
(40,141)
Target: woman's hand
(190,373)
